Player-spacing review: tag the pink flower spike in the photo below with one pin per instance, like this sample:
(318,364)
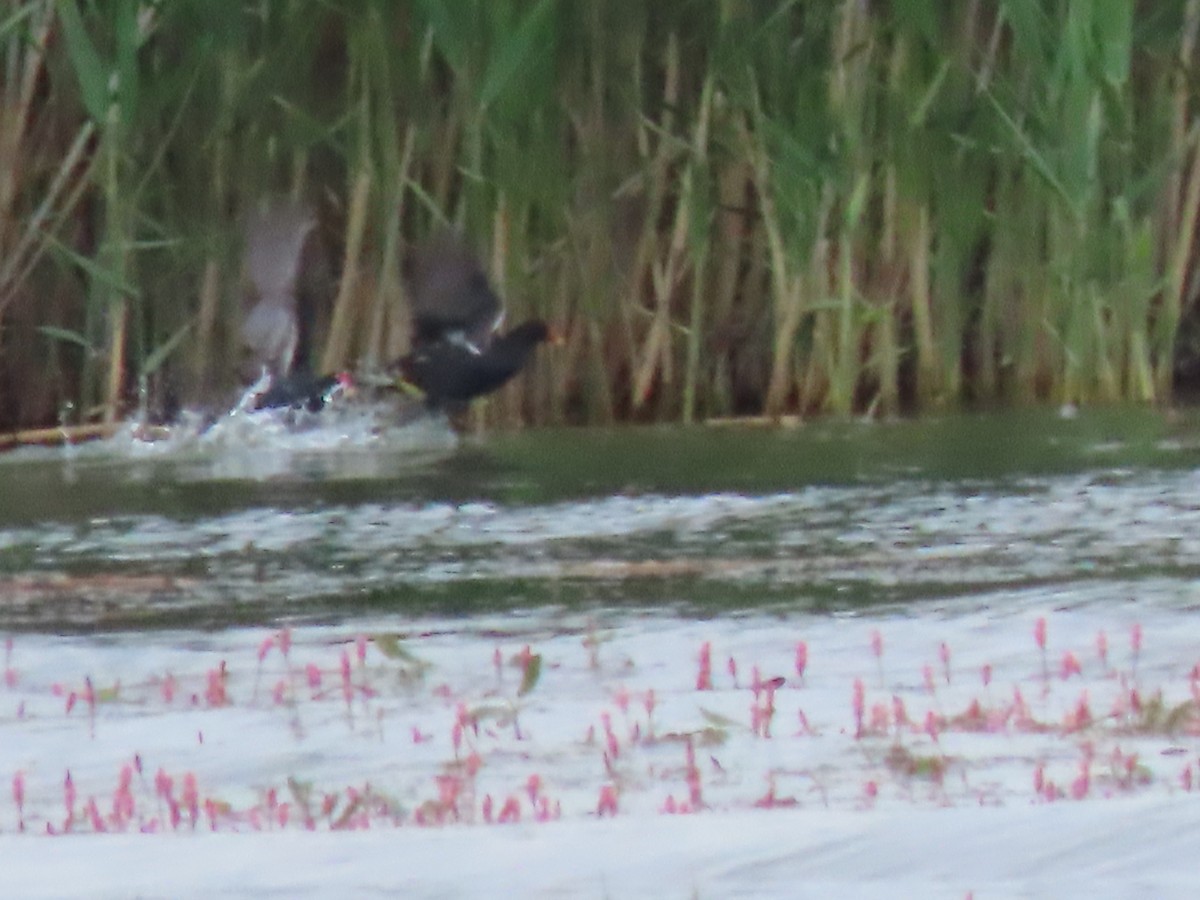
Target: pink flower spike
(265,647)
(18,793)
(1039,632)
(347,684)
(858,703)
(607,805)
(93,813)
(1102,647)
(1081,785)
(704,676)
(163,784)
(191,800)
(877,643)
(621,698)
(69,795)
(285,639)
(931,725)
(944,655)
(1070,665)
(510,812)
(533,787)
(801,659)
(986,674)
(313,674)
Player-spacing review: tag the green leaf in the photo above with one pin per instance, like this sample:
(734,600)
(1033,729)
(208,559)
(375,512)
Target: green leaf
(65,335)
(160,354)
(97,272)
(532,37)
(128,40)
(533,671)
(90,70)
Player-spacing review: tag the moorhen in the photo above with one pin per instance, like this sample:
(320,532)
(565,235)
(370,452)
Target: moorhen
(276,328)
(457,353)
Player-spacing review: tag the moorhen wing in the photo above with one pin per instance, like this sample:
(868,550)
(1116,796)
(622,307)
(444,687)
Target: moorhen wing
(276,329)
(457,351)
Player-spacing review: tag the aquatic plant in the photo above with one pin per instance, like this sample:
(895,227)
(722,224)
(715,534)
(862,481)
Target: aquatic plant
(455,754)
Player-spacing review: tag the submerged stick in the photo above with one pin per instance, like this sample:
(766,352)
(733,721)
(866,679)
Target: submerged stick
(74,434)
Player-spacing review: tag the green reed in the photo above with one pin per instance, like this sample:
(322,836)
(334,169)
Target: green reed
(729,208)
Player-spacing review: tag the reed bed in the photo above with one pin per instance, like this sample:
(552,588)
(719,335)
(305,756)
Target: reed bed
(730,208)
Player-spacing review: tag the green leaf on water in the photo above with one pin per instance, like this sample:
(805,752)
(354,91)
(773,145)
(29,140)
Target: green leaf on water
(533,671)
(392,646)
(716,719)
(501,715)
(109,694)
(389,646)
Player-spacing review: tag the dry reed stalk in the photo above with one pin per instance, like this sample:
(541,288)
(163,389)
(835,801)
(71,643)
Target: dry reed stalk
(921,305)
(786,286)
(341,329)
(382,340)
(206,318)
(17,120)
(655,351)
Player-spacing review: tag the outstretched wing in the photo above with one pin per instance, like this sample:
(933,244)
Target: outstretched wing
(449,294)
(275,236)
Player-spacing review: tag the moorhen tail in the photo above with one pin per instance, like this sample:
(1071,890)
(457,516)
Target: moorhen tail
(457,354)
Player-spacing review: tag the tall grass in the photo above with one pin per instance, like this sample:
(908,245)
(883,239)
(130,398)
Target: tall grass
(730,208)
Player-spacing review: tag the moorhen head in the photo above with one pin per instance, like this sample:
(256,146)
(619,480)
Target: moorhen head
(457,353)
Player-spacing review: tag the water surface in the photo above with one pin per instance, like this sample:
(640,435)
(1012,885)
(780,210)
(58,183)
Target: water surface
(334,522)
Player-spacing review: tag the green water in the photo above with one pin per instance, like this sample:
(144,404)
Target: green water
(709,520)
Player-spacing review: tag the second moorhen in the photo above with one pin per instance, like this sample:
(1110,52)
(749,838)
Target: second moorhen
(457,351)
(276,327)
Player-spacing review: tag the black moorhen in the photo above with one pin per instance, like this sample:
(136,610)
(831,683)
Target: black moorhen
(457,353)
(276,328)
(302,390)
